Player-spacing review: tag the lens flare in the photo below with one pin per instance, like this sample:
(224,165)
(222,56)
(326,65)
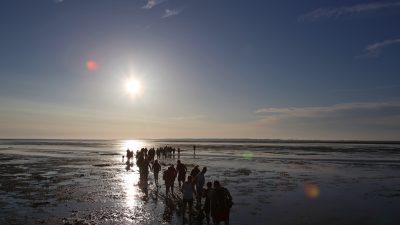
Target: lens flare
(311,190)
(91,65)
(247,155)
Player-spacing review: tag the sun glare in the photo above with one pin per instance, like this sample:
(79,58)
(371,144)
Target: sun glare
(134,87)
(132,145)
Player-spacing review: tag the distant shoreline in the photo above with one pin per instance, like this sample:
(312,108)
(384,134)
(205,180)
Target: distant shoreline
(218,140)
(277,141)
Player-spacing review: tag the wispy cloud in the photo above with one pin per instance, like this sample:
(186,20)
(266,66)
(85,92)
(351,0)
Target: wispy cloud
(151,3)
(373,50)
(171,12)
(322,111)
(369,89)
(335,12)
(364,120)
(58,1)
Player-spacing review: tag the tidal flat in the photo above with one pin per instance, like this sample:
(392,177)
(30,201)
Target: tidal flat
(86,182)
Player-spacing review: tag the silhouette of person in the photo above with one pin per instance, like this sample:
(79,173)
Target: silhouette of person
(169,178)
(207,203)
(221,203)
(194,171)
(181,168)
(156,170)
(128,166)
(200,181)
(158,153)
(128,154)
(187,192)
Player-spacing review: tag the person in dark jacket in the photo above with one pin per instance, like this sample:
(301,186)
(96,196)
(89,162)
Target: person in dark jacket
(221,203)
(156,170)
(181,168)
(207,203)
(169,178)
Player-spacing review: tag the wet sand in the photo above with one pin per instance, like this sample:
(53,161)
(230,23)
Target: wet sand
(94,187)
(41,190)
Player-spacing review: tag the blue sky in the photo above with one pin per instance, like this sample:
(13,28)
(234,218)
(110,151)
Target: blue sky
(218,69)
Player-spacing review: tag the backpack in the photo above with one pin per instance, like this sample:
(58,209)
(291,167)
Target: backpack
(224,198)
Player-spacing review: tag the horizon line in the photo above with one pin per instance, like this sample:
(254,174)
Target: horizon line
(253,140)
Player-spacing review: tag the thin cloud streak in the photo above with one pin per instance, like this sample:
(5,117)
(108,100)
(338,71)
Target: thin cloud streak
(152,3)
(326,13)
(171,12)
(368,89)
(324,110)
(374,50)
(357,121)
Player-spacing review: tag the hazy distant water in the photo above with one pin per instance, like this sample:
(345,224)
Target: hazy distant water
(282,183)
(257,149)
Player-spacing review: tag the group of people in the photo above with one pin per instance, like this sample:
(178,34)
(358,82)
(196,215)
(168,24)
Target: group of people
(145,160)
(167,152)
(218,200)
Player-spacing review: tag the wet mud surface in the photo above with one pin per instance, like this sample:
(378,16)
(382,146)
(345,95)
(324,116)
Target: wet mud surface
(96,187)
(51,190)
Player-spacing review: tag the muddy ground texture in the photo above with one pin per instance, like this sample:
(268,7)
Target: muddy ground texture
(81,190)
(98,188)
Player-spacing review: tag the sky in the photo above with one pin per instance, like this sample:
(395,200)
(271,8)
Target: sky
(307,69)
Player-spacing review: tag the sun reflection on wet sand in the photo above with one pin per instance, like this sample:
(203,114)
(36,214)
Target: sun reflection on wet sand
(132,145)
(129,181)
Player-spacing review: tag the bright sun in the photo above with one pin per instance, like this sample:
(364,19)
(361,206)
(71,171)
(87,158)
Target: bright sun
(134,87)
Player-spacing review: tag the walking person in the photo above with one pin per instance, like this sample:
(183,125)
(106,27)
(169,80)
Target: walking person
(169,178)
(207,203)
(188,191)
(156,170)
(195,171)
(158,153)
(144,165)
(129,155)
(200,181)
(181,168)
(221,203)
